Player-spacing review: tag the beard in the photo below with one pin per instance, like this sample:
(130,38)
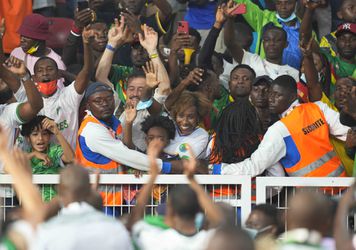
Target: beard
(5,95)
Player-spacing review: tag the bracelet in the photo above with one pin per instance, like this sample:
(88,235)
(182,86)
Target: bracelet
(111,48)
(152,56)
(77,31)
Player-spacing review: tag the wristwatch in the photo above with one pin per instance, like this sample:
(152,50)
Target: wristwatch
(25,78)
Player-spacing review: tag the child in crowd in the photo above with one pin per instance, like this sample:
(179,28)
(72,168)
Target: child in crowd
(46,157)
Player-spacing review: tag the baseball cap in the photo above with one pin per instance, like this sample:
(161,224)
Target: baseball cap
(263,78)
(95,88)
(35,26)
(346,27)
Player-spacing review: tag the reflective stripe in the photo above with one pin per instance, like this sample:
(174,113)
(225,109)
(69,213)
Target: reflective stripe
(314,165)
(337,172)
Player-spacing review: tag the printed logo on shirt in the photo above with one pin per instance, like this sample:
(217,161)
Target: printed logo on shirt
(62,125)
(313,126)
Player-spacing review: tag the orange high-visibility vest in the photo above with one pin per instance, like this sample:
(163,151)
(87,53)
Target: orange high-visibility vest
(308,149)
(93,161)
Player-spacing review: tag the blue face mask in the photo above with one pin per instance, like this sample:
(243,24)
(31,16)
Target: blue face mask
(288,19)
(144,104)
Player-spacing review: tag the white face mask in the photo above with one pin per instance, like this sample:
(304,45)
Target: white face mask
(254,232)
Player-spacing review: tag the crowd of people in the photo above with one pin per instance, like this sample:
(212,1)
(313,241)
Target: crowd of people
(235,87)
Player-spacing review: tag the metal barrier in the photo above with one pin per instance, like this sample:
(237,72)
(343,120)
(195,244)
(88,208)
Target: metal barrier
(277,190)
(241,202)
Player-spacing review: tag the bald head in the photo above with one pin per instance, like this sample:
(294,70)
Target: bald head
(74,184)
(308,209)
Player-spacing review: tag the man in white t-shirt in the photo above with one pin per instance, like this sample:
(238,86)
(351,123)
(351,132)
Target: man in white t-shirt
(184,202)
(62,105)
(13,113)
(274,42)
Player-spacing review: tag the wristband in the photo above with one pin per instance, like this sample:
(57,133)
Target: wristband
(76,31)
(166,167)
(217,169)
(152,56)
(109,47)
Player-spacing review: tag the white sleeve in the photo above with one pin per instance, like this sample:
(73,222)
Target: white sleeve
(199,145)
(271,149)
(225,76)
(333,119)
(99,140)
(253,60)
(70,96)
(158,97)
(20,94)
(10,115)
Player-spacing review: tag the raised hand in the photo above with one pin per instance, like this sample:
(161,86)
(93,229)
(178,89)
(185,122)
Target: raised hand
(220,17)
(306,46)
(179,41)
(16,66)
(151,72)
(150,39)
(119,33)
(83,18)
(190,164)
(312,5)
(229,9)
(50,125)
(88,35)
(132,21)
(130,111)
(194,76)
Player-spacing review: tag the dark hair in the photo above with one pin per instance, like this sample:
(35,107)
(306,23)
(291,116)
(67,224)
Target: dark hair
(287,83)
(45,58)
(271,26)
(244,66)
(135,74)
(35,123)
(270,211)
(195,33)
(235,237)
(238,133)
(184,202)
(161,122)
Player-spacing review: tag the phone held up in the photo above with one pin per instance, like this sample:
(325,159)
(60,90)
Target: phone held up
(183,27)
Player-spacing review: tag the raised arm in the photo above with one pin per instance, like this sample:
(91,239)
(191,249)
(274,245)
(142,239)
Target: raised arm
(8,73)
(17,165)
(153,150)
(83,78)
(68,153)
(149,41)
(206,52)
(130,116)
(165,10)
(235,49)
(117,36)
(213,213)
(194,77)
(311,73)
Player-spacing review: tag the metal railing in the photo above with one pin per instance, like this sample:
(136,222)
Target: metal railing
(241,200)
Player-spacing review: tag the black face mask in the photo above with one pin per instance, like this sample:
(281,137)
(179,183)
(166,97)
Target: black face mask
(5,95)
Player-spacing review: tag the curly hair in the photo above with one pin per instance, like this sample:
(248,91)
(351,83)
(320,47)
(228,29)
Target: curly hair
(161,122)
(238,133)
(191,99)
(35,123)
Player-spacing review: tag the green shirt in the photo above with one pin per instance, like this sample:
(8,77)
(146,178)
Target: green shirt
(54,153)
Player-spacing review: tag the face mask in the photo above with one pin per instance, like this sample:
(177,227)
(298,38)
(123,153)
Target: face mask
(144,104)
(254,232)
(33,49)
(5,95)
(199,221)
(47,88)
(288,19)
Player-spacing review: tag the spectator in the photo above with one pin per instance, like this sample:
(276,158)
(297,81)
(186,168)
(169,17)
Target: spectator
(259,99)
(34,32)
(46,157)
(300,156)
(184,202)
(274,42)
(44,7)
(263,220)
(187,112)
(283,17)
(62,105)
(347,14)
(14,113)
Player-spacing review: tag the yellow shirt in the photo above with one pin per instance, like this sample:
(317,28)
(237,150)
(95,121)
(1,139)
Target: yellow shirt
(339,146)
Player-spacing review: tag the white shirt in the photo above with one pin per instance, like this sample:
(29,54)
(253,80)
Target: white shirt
(99,140)
(80,226)
(273,148)
(149,237)
(260,66)
(63,108)
(198,140)
(9,121)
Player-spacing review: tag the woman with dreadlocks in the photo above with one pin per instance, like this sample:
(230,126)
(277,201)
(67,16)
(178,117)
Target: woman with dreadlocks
(237,135)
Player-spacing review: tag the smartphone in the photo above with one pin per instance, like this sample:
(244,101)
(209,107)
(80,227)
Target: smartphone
(83,5)
(239,10)
(183,27)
